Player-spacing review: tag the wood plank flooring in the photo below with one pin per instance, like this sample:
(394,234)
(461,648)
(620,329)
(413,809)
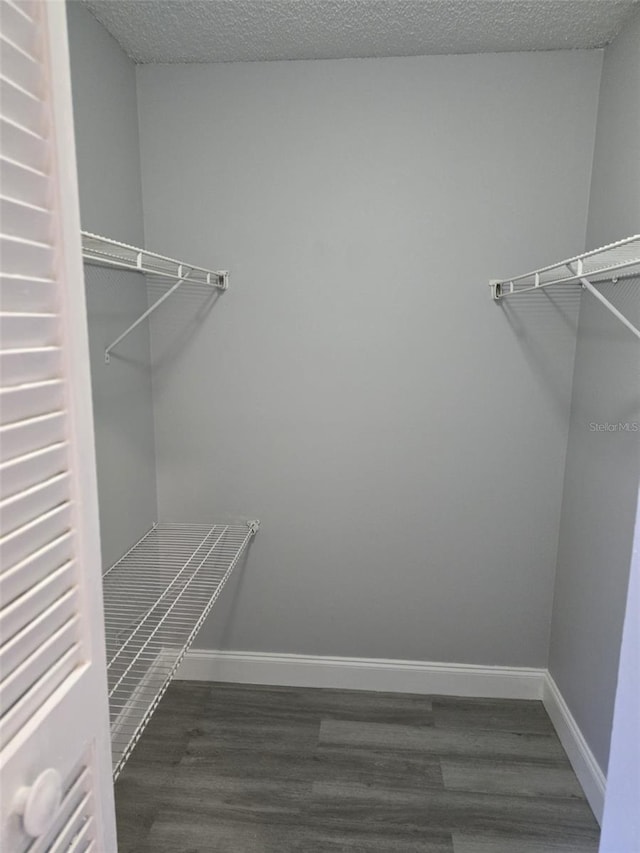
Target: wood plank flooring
(228,768)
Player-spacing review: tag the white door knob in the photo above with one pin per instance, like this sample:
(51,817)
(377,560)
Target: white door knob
(39,803)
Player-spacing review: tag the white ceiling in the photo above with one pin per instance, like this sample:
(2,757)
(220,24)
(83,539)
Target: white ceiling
(247,30)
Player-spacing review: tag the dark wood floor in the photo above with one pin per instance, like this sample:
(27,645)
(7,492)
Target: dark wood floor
(243,769)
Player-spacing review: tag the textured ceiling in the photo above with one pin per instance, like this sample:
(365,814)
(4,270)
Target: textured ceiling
(246,30)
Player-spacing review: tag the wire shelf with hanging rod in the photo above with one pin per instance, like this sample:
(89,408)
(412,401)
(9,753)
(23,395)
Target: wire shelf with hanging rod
(102,251)
(600,266)
(156,598)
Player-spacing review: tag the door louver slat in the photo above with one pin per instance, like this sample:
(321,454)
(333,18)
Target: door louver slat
(18,66)
(17,683)
(20,181)
(80,839)
(16,216)
(18,28)
(23,438)
(21,106)
(18,544)
(22,293)
(28,329)
(26,8)
(17,716)
(25,257)
(19,143)
(23,472)
(37,566)
(18,616)
(27,365)
(75,792)
(27,401)
(23,644)
(73,812)
(76,829)
(41,498)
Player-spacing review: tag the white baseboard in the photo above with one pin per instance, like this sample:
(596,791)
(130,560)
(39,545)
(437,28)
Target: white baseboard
(394,676)
(582,760)
(405,676)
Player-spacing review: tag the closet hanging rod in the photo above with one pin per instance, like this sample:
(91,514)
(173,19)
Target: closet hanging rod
(102,251)
(604,265)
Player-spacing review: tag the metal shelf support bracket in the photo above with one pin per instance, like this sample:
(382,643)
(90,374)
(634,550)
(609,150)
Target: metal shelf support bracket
(147,313)
(102,251)
(586,284)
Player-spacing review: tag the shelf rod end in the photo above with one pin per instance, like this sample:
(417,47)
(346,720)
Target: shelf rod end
(496,288)
(253,526)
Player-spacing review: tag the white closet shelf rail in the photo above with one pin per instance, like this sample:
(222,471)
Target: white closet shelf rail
(604,265)
(105,252)
(156,598)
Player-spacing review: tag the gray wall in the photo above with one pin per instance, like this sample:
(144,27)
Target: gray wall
(401,437)
(603,468)
(106,119)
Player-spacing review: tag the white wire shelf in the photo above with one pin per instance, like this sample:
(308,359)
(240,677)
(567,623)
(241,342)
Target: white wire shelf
(111,253)
(156,598)
(102,251)
(605,265)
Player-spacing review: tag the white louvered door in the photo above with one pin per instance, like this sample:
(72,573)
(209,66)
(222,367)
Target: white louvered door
(55,759)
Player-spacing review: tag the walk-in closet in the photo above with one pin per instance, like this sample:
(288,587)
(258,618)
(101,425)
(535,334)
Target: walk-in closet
(320,426)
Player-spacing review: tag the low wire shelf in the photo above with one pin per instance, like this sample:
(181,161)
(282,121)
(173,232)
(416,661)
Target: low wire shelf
(156,598)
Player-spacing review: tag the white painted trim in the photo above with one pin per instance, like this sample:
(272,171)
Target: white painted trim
(394,676)
(91,712)
(582,760)
(406,676)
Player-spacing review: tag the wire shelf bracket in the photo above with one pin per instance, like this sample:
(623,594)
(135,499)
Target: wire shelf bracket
(102,251)
(605,265)
(156,598)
